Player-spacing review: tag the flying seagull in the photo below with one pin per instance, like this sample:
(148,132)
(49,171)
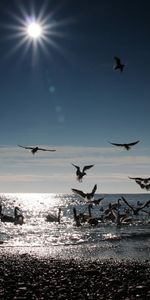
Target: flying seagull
(140,179)
(143,185)
(35,149)
(118,65)
(136,209)
(88,196)
(80,173)
(126,146)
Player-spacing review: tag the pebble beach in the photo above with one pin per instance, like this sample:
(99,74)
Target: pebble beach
(27,277)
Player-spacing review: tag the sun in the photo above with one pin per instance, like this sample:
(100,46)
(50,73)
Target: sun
(37,30)
(34,30)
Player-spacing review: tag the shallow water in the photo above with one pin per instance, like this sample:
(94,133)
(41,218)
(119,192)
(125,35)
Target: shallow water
(39,237)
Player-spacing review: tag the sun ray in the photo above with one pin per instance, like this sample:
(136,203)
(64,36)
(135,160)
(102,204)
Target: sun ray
(34,28)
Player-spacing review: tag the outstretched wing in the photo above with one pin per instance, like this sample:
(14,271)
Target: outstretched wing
(26,147)
(117,59)
(80,193)
(87,167)
(147,203)
(136,178)
(94,189)
(42,149)
(132,144)
(78,168)
(125,201)
(115,144)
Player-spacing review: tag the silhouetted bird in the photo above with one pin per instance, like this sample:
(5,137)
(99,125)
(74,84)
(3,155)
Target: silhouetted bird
(136,209)
(93,221)
(35,149)
(126,146)
(143,185)
(89,196)
(118,65)
(80,173)
(77,218)
(54,218)
(18,218)
(144,180)
(84,218)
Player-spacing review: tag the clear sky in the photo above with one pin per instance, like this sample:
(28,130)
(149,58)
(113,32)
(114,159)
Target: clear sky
(61,91)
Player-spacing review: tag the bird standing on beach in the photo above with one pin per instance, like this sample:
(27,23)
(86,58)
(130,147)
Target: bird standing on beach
(88,196)
(35,149)
(126,146)
(118,65)
(82,173)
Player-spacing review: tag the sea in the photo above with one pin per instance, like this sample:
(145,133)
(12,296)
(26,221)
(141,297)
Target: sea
(107,240)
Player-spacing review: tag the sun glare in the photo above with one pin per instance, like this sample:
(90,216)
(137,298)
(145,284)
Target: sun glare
(34,30)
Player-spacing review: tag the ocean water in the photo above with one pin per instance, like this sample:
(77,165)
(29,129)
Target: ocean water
(41,238)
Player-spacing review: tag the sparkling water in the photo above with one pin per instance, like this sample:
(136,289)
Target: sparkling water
(106,240)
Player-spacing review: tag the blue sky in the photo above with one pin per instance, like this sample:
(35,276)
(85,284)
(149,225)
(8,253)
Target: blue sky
(66,95)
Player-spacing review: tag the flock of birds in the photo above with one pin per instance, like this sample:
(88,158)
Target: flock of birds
(143,182)
(119,212)
(112,212)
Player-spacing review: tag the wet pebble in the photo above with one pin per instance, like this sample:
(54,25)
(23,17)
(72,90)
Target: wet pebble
(25,277)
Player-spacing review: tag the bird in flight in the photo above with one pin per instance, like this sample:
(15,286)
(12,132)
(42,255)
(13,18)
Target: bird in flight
(144,180)
(144,183)
(80,173)
(118,65)
(88,196)
(35,149)
(126,146)
(136,209)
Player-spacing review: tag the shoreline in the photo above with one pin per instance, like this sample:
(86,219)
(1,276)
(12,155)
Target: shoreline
(25,276)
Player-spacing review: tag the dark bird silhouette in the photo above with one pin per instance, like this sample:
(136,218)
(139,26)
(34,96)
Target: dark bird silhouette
(82,173)
(84,218)
(136,209)
(35,149)
(53,218)
(16,219)
(126,146)
(144,183)
(91,220)
(145,186)
(88,196)
(77,217)
(118,65)
(144,180)
(121,218)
